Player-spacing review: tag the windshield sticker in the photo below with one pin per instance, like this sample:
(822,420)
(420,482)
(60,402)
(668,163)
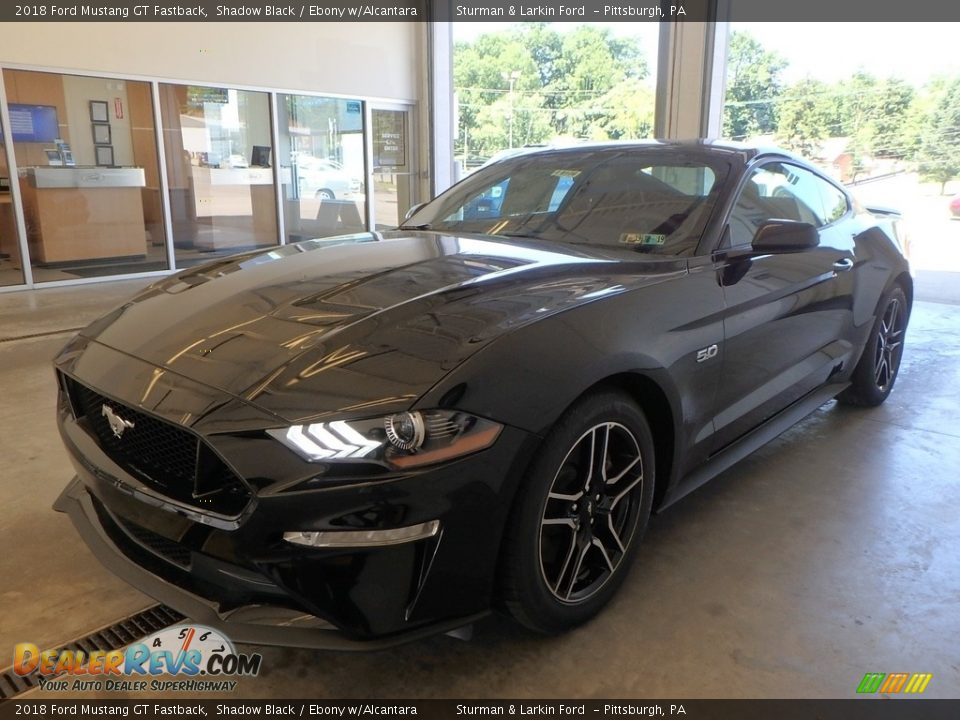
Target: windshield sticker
(565,173)
(642,239)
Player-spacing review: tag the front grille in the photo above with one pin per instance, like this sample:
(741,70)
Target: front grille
(164,456)
(161,450)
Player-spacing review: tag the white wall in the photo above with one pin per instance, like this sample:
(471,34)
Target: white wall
(354,59)
(78,92)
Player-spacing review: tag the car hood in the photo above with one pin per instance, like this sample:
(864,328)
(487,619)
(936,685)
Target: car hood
(357,325)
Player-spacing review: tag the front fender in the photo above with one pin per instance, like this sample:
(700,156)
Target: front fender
(529,377)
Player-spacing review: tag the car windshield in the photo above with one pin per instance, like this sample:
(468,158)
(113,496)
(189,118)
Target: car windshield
(652,200)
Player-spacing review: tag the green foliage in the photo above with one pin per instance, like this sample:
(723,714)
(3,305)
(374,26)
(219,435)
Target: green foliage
(889,126)
(584,83)
(587,84)
(480,85)
(625,112)
(938,154)
(874,114)
(879,118)
(806,115)
(753,87)
(871,113)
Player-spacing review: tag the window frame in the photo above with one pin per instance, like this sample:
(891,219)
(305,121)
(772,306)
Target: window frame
(724,241)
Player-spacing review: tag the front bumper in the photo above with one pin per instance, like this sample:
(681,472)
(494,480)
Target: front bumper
(239,575)
(254,624)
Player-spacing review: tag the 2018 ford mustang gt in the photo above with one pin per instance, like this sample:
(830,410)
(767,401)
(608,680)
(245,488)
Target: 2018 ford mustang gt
(360,440)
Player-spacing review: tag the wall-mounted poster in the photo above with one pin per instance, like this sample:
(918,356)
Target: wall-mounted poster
(389,138)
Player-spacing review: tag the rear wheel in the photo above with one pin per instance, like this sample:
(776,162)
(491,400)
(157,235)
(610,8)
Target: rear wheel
(325,194)
(877,370)
(578,520)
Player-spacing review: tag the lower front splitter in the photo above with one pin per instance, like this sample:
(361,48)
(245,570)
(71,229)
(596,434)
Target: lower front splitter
(254,625)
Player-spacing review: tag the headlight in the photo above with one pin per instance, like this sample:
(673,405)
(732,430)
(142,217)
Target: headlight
(403,440)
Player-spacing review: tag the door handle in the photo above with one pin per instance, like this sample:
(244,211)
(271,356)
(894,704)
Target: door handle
(843,265)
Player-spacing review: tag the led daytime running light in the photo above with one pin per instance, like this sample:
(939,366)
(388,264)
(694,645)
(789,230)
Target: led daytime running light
(336,441)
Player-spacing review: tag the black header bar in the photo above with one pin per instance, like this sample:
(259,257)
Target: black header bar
(852,11)
(874,708)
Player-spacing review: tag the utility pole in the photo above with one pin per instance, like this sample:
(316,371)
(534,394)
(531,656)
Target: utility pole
(512,77)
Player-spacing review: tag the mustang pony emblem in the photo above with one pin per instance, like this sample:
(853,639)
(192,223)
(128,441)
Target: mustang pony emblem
(117,423)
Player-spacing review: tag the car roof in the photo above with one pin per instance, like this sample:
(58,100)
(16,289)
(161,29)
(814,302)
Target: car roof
(745,151)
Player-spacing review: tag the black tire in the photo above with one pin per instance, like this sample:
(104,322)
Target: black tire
(552,527)
(876,373)
(325,194)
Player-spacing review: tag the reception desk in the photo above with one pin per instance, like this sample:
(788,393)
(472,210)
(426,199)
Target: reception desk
(75,213)
(240,203)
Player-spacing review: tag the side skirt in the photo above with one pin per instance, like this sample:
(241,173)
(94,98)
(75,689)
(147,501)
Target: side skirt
(754,440)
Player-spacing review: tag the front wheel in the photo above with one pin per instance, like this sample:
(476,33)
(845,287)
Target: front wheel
(579,518)
(877,370)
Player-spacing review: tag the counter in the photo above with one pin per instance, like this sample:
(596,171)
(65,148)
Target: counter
(240,201)
(85,177)
(83,213)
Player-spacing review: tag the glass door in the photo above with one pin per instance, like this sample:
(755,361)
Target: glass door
(322,168)
(394,166)
(219,157)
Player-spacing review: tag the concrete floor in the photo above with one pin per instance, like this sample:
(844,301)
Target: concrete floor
(832,552)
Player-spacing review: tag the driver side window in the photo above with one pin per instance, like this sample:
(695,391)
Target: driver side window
(776,191)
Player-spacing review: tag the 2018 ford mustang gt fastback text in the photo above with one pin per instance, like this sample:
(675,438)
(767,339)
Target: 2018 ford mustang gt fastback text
(360,440)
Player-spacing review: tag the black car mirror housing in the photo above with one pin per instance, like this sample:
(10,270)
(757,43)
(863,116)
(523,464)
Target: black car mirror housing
(777,236)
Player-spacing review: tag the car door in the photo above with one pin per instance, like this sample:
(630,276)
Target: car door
(788,322)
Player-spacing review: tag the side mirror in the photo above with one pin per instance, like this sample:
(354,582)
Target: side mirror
(413,211)
(778,236)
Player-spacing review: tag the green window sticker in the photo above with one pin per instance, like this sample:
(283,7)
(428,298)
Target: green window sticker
(642,239)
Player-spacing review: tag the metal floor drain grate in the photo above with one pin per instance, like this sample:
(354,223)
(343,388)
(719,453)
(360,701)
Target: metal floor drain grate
(111,637)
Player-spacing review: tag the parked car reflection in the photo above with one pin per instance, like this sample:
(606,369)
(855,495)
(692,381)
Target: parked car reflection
(324,179)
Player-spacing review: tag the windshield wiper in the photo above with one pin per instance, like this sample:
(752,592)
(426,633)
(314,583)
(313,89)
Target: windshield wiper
(424,226)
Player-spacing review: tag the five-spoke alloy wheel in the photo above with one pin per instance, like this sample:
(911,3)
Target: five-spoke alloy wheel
(889,344)
(875,374)
(580,514)
(590,512)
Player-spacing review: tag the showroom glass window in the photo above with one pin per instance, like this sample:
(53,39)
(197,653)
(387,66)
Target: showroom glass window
(11,266)
(219,157)
(322,169)
(522,84)
(86,154)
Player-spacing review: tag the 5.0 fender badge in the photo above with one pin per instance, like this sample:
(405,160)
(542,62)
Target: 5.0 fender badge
(707,353)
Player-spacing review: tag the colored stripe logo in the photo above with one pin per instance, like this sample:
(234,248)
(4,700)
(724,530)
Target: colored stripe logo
(894,683)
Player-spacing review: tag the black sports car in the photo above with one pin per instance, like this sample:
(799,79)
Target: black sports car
(355,441)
